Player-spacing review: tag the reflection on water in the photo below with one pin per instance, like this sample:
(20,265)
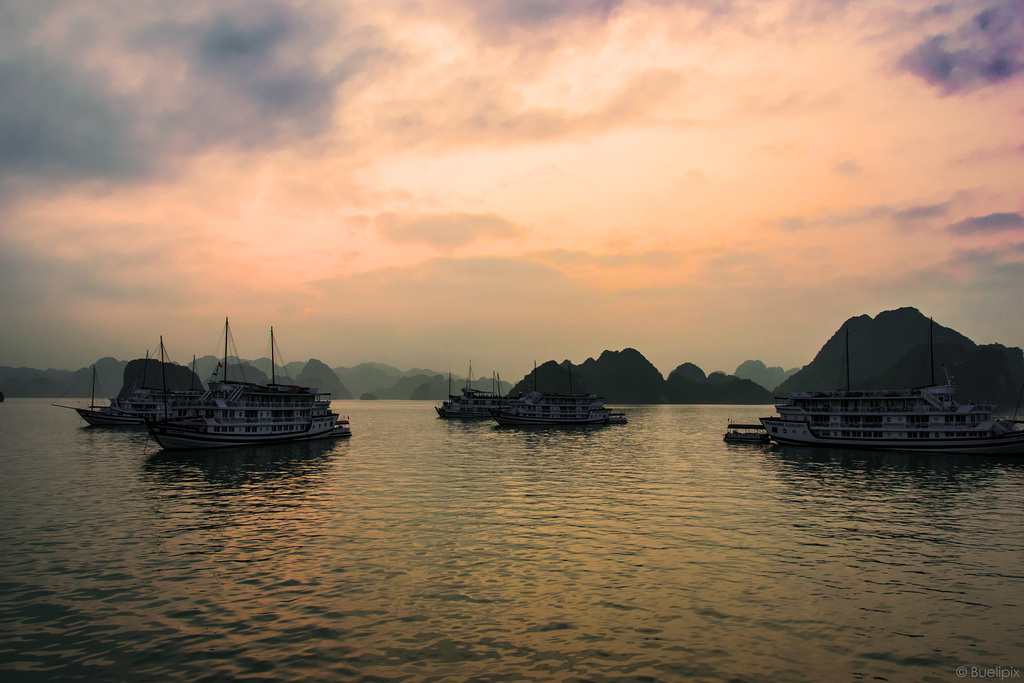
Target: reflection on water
(427,549)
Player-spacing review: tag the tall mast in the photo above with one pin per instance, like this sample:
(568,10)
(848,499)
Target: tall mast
(931,347)
(163,374)
(273,368)
(847,358)
(93,401)
(225,378)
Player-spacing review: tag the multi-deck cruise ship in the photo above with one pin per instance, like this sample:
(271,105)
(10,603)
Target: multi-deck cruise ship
(924,419)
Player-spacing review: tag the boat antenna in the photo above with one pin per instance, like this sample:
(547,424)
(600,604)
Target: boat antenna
(192,380)
(273,365)
(92,402)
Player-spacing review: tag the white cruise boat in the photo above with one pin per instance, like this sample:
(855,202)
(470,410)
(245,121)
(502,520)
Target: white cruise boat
(471,404)
(539,408)
(233,413)
(241,414)
(140,406)
(926,419)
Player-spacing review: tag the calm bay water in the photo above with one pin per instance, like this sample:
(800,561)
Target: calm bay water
(423,549)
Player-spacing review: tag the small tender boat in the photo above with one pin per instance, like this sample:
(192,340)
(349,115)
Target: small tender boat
(745,433)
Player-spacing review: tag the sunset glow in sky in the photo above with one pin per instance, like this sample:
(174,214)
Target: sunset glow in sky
(425,182)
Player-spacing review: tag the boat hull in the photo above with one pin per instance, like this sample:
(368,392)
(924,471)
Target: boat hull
(798,433)
(187,437)
(99,418)
(511,419)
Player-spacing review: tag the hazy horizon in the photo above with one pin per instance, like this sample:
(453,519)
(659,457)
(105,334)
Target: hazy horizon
(426,183)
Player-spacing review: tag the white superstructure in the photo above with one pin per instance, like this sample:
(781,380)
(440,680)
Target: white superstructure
(922,419)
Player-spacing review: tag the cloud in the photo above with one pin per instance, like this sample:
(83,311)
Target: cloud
(848,167)
(993,222)
(247,75)
(56,125)
(446,231)
(986,50)
(120,96)
(922,212)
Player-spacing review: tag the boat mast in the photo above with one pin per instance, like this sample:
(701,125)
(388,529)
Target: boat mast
(92,402)
(273,376)
(931,348)
(847,358)
(163,374)
(225,378)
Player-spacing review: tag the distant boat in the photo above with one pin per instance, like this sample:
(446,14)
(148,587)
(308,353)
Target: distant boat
(234,413)
(925,419)
(471,404)
(539,408)
(745,433)
(552,409)
(139,406)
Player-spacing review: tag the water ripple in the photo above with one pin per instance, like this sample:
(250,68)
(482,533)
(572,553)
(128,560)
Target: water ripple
(423,549)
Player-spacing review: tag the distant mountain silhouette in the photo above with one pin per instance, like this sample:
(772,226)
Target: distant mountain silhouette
(419,387)
(892,351)
(628,377)
(145,373)
(318,375)
(757,371)
(688,384)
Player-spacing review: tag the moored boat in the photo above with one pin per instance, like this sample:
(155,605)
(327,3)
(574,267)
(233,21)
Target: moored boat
(140,404)
(922,419)
(540,408)
(472,404)
(239,413)
(745,433)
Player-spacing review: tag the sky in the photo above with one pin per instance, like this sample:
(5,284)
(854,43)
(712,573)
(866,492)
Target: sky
(429,183)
